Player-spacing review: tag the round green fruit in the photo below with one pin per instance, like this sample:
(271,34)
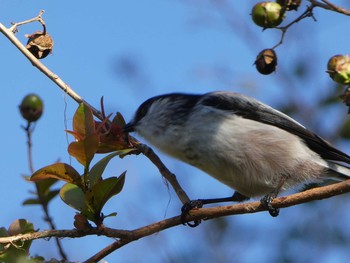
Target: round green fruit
(31,107)
(267,14)
(338,68)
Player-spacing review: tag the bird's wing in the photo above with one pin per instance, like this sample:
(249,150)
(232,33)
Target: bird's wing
(250,108)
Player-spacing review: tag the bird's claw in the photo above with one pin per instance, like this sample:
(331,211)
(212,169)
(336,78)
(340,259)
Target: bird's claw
(266,201)
(185,211)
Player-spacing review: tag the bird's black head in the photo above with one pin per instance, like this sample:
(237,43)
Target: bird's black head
(172,100)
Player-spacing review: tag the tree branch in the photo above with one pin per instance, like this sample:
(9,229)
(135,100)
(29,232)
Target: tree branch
(330,6)
(37,18)
(127,236)
(29,130)
(36,63)
(147,151)
(305,14)
(164,171)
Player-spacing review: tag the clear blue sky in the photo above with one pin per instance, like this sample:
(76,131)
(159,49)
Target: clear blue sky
(167,46)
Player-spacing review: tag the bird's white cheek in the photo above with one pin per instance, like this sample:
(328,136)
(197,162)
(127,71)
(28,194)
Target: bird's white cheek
(169,140)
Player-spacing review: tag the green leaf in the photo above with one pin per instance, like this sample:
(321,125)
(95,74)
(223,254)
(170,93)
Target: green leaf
(18,250)
(98,169)
(50,195)
(44,185)
(31,201)
(345,130)
(59,171)
(83,121)
(73,196)
(84,150)
(20,226)
(3,232)
(124,152)
(47,198)
(110,215)
(119,120)
(101,192)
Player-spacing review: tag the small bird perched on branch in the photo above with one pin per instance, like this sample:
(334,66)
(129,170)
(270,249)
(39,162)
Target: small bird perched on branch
(243,143)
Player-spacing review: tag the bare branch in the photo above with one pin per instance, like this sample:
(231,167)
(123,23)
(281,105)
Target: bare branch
(125,236)
(35,62)
(37,18)
(164,171)
(219,211)
(105,231)
(29,130)
(305,14)
(330,6)
(147,151)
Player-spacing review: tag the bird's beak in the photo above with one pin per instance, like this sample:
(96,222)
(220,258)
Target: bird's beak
(130,127)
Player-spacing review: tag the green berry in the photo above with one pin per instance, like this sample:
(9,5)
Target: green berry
(338,68)
(267,14)
(31,107)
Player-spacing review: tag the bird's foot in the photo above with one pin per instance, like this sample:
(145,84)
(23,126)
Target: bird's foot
(186,208)
(266,201)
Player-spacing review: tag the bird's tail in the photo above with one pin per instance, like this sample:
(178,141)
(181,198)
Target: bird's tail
(338,171)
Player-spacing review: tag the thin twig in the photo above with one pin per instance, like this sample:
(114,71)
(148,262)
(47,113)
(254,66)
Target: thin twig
(56,79)
(309,13)
(164,171)
(305,14)
(107,250)
(127,236)
(204,213)
(65,87)
(38,18)
(219,211)
(74,233)
(330,6)
(29,130)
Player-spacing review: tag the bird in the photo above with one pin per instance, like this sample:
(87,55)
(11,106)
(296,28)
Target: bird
(245,144)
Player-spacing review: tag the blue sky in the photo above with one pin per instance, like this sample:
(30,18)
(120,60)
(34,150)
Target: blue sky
(168,46)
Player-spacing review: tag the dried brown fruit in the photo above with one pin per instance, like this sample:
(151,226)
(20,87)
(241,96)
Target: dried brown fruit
(39,44)
(266,61)
(290,4)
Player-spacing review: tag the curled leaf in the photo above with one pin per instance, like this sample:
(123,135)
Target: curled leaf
(61,171)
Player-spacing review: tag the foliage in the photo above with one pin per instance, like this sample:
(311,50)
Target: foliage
(89,192)
(12,251)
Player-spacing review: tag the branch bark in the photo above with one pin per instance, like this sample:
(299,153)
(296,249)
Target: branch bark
(36,63)
(127,236)
(147,151)
(330,6)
